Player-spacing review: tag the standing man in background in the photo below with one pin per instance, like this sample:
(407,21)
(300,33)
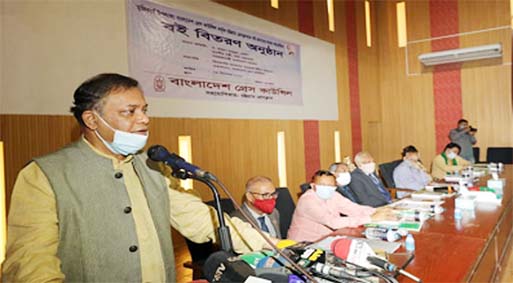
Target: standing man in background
(464,136)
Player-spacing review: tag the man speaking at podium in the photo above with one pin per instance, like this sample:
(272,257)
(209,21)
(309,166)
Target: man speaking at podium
(94,211)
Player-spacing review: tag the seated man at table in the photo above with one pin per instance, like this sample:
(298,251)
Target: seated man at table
(341,172)
(448,162)
(410,174)
(321,210)
(259,205)
(365,184)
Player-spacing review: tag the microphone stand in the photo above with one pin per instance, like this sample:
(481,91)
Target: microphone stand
(223,230)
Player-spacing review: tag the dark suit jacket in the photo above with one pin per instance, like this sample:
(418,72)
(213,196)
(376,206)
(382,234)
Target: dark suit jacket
(274,217)
(347,193)
(365,190)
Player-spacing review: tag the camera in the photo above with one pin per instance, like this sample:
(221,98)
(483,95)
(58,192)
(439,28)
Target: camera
(472,129)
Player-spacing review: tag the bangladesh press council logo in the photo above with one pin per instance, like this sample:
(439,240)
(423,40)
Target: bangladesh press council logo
(159,83)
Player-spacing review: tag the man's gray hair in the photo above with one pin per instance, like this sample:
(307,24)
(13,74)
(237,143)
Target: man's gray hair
(360,156)
(257,180)
(334,166)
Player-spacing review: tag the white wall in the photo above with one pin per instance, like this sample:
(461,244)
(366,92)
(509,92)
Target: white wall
(49,47)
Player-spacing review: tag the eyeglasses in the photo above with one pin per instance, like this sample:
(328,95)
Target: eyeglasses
(266,195)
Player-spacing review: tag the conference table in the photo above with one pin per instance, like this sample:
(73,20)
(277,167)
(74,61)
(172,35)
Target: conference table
(472,249)
(468,250)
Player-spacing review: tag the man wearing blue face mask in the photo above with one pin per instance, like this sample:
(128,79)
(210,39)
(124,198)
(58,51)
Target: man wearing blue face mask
(321,210)
(98,210)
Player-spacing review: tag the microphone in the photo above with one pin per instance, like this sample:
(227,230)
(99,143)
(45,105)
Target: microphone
(160,154)
(353,251)
(222,266)
(335,271)
(388,266)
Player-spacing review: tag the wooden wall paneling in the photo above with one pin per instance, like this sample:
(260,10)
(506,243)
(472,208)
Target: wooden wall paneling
(327,145)
(487,105)
(295,155)
(344,111)
(417,15)
(370,97)
(29,136)
(326,128)
(320,14)
(417,20)
(477,15)
(286,15)
(486,85)
(407,101)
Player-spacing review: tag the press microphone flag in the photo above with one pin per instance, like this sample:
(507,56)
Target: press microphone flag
(352,250)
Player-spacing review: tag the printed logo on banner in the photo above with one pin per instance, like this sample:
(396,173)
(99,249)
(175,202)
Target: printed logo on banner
(159,83)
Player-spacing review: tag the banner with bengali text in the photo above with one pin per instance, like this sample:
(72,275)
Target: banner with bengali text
(177,54)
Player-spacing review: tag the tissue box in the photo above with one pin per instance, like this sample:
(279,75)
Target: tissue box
(486,197)
(498,185)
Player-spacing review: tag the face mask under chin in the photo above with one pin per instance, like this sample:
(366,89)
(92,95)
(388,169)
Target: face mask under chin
(123,143)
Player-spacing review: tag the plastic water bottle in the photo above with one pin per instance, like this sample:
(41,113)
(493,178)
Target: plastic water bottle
(410,243)
(385,234)
(457,214)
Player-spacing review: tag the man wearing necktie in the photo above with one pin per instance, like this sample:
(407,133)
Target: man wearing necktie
(259,204)
(365,184)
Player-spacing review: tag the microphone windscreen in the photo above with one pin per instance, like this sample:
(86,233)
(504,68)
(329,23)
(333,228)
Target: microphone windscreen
(222,266)
(158,153)
(353,250)
(340,247)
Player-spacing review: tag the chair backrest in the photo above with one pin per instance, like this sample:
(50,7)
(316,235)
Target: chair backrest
(226,205)
(305,187)
(477,153)
(500,154)
(286,206)
(387,172)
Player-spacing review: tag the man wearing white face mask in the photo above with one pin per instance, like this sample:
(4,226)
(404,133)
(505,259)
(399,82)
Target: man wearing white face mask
(448,162)
(341,171)
(321,210)
(365,184)
(98,210)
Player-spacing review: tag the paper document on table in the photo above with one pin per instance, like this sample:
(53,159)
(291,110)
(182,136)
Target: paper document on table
(407,225)
(416,204)
(427,195)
